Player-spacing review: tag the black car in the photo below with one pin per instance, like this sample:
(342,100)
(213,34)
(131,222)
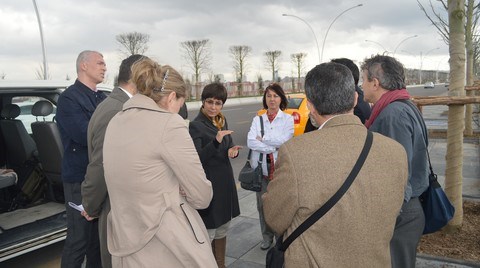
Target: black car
(32,209)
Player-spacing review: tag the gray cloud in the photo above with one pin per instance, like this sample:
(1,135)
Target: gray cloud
(72,26)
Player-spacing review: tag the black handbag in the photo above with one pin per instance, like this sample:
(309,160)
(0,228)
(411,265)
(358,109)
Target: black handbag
(437,208)
(275,255)
(251,178)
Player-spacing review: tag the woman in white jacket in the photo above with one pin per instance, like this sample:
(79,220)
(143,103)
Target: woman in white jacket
(278,128)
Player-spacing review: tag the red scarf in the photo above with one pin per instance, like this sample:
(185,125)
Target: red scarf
(387,98)
(271,116)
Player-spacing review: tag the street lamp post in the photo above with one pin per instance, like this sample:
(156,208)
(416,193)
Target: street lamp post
(394,51)
(45,71)
(384,49)
(421,61)
(311,29)
(326,34)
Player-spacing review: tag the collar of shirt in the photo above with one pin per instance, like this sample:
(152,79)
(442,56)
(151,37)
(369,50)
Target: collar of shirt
(330,119)
(126,92)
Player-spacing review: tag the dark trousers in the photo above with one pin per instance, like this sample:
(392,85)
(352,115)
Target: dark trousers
(406,236)
(267,233)
(82,235)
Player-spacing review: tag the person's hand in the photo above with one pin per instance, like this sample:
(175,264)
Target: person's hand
(259,138)
(233,152)
(221,134)
(86,216)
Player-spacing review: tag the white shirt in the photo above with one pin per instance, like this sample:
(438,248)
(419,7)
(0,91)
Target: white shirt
(275,134)
(126,92)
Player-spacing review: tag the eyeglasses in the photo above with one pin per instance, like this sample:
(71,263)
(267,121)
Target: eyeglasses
(214,102)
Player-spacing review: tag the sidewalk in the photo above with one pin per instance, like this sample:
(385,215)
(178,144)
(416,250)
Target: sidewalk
(244,237)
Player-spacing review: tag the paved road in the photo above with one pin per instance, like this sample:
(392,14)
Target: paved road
(239,119)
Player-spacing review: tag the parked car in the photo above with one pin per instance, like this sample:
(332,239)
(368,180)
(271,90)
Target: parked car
(28,223)
(429,85)
(297,107)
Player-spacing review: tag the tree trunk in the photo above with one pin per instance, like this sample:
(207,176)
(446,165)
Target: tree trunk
(470,55)
(456,113)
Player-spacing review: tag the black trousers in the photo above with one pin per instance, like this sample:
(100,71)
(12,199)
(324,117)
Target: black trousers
(82,235)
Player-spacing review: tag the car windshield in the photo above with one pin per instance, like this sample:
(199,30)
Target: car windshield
(294,103)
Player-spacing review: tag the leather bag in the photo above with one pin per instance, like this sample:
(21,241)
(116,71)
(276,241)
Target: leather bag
(251,178)
(437,208)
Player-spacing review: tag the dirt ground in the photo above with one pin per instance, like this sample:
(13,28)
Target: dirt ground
(464,245)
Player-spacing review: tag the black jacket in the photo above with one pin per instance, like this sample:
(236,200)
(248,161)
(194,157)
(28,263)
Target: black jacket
(217,166)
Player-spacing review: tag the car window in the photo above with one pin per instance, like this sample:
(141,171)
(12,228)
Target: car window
(26,103)
(294,103)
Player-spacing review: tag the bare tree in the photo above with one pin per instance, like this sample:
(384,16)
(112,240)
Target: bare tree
(197,53)
(272,58)
(239,55)
(3,75)
(260,84)
(298,60)
(133,43)
(456,123)
(441,23)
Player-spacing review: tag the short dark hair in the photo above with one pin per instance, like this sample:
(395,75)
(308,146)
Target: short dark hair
(279,91)
(350,65)
(330,88)
(388,70)
(125,71)
(216,91)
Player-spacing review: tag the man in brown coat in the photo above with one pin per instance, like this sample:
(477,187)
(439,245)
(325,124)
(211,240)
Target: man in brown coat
(356,232)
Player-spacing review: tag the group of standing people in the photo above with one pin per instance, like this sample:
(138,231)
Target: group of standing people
(157,191)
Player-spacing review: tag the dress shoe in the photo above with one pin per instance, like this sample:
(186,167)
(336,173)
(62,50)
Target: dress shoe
(265,245)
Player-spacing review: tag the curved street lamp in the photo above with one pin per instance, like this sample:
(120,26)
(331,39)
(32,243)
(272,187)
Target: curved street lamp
(421,61)
(311,29)
(325,38)
(45,72)
(384,49)
(394,51)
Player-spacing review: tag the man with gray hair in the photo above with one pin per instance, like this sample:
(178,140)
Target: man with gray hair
(361,223)
(384,86)
(74,110)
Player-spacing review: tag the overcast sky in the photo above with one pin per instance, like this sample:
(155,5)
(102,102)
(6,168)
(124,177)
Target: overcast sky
(72,26)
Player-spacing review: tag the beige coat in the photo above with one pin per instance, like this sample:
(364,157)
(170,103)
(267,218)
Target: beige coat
(356,232)
(148,156)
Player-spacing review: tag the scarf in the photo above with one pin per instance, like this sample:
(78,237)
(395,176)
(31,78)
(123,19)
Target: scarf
(218,121)
(387,98)
(271,116)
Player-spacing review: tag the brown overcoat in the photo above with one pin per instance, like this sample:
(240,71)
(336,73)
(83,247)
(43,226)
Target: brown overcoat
(148,156)
(356,232)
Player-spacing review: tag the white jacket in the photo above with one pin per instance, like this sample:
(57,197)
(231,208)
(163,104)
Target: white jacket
(275,134)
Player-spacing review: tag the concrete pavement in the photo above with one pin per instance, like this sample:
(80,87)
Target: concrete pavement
(243,240)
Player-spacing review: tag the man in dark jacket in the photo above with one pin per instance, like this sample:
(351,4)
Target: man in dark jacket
(75,107)
(362,109)
(94,189)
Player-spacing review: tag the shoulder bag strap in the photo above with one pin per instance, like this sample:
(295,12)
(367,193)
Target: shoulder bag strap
(260,157)
(335,198)
(424,128)
(262,132)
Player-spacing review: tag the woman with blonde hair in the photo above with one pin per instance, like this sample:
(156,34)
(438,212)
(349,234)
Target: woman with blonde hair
(154,177)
